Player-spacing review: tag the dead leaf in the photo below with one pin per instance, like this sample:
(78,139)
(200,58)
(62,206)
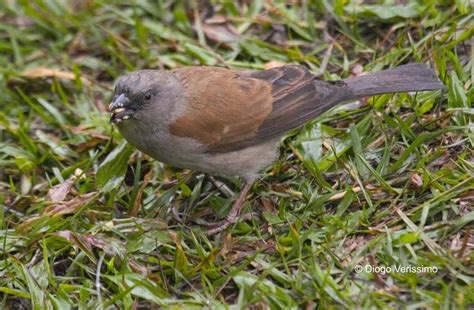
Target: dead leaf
(267,206)
(416,180)
(340,195)
(60,191)
(273,64)
(358,70)
(89,144)
(136,267)
(220,33)
(42,72)
(71,206)
(219,30)
(25,184)
(88,242)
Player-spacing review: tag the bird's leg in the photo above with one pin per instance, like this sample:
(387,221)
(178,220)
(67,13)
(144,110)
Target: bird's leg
(234,212)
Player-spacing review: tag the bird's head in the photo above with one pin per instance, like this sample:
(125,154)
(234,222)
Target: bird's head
(143,95)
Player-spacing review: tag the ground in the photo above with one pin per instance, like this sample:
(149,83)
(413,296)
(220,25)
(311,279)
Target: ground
(88,222)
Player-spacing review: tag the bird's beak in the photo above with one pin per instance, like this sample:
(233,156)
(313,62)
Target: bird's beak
(120,109)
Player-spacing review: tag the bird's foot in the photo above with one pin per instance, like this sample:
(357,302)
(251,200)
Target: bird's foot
(215,228)
(233,216)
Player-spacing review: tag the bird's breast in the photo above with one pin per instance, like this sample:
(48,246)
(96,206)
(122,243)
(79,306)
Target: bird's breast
(189,153)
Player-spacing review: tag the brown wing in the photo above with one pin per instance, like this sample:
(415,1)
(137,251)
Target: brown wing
(227,107)
(297,98)
(233,110)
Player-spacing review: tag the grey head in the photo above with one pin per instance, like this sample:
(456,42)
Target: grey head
(147,97)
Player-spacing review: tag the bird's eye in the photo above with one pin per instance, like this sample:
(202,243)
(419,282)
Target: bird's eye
(148,96)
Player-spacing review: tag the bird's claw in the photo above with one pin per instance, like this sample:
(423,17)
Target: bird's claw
(229,220)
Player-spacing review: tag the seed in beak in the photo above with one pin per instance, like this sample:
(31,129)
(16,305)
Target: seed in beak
(126,117)
(118,110)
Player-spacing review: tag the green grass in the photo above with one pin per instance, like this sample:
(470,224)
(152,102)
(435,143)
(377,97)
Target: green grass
(88,222)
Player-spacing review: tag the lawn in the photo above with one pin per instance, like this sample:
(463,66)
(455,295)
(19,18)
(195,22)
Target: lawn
(368,206)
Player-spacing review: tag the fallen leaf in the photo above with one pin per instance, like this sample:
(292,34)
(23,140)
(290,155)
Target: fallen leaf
(87,243)
(267,206)
(60,191)
(220,30)
(71,206)
(220,33)
(42,72)
(89,144)
(136,267)
(340,195)
(25,184)
(273,64)
(358,70)
(416,180)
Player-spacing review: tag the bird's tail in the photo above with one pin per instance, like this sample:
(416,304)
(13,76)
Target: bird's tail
(410,77)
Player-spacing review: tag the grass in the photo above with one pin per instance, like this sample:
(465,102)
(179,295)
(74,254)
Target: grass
(88,222)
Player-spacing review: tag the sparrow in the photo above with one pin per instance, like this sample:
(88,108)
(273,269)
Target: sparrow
(229,122)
